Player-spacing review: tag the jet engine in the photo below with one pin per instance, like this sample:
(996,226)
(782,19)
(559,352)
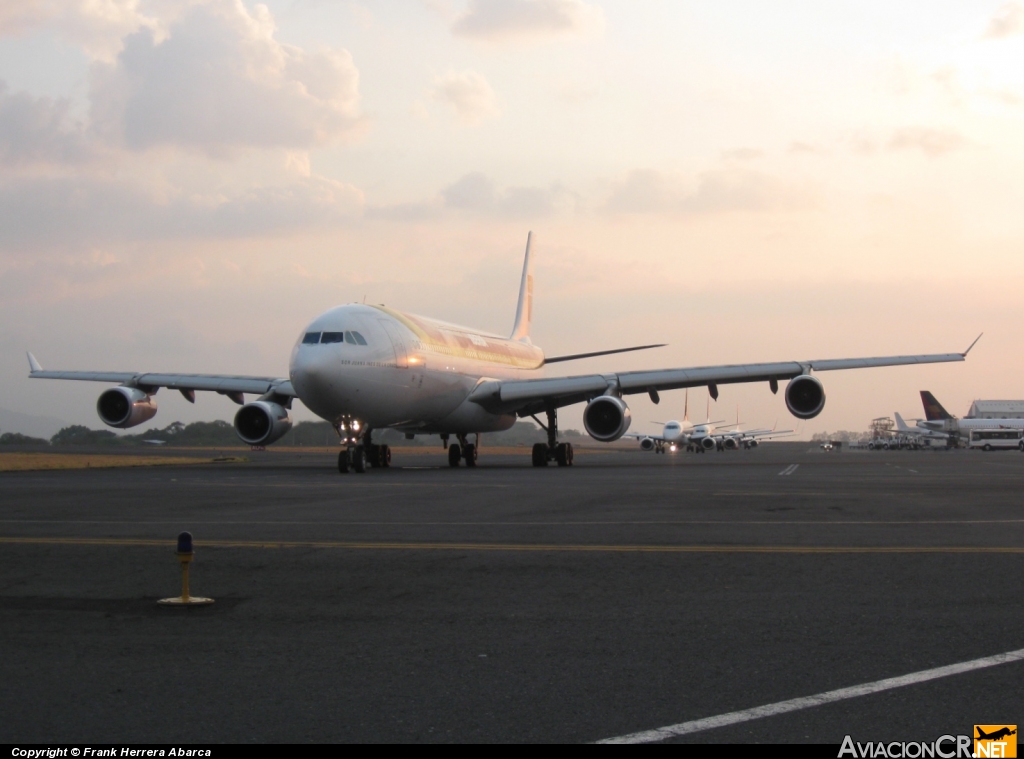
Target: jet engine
(730,444)
(805,397)
(707,443)
(606,418)
(646,444)
(262,422)
(125,407)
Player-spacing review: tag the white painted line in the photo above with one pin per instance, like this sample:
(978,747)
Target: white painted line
(796,704)
(788,470)
(914,471)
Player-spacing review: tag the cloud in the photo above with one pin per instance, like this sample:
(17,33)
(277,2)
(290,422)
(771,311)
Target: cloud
(931,142)
(477,193)
(220,81)
(645,191)
(96,210)
(98,26)
(526,20)
(1007,22)
(743,154)
(468,94)
(38,130)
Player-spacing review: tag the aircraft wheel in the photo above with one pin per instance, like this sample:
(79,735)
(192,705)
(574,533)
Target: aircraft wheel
(561,455)
(540,454)
(372,453)
(359,459)
(343,461)
(564,454)
(454,454)
(469,454)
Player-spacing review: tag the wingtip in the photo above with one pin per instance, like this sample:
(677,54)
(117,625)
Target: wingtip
(33,364)
(972,345)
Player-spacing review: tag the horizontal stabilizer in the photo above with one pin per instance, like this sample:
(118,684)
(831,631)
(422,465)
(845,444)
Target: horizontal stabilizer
(574,356)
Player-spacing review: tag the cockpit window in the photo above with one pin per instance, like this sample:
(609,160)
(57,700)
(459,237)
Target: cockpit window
(333,337)
(350,338)
(359,338)
(311,338)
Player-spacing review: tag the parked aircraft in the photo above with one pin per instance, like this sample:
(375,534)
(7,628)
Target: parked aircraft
(940,420)
(366,368)
(917,435)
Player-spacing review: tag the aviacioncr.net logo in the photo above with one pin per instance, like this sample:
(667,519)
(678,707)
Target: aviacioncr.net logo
(944,747)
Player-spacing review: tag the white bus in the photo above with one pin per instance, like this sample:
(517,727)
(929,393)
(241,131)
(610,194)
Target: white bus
(989,440)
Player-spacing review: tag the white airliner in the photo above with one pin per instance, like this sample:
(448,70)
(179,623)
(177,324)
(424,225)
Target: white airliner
(675,433)
(918,434)
(366,368)
(940,420)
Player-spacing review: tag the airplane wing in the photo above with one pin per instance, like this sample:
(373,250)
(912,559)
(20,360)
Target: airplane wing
(532,396)
(642,436)
(225,384)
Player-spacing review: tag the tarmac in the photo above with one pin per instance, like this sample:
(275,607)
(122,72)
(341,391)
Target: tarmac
(630,592)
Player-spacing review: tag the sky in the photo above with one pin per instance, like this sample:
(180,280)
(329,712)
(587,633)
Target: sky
(185,184)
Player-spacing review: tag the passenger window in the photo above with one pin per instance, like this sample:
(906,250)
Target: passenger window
(333,337)
(311,338)
(359,338)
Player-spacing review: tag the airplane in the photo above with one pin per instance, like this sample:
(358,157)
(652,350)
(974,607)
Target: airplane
(365,368)
(919,434)
(675,433)
(735,439)
(940,420)
(995,735)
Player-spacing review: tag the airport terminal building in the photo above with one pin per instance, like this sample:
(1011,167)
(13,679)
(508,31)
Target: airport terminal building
(996,410)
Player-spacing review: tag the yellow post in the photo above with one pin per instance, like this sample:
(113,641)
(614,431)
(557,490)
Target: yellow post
(185,553)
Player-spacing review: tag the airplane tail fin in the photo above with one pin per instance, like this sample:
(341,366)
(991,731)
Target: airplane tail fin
(524,311)
(933,410)
(900,424)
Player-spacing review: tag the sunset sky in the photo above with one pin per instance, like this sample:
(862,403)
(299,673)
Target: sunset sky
(185,184)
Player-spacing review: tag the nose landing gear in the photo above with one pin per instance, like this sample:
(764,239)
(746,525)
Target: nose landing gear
(360,451)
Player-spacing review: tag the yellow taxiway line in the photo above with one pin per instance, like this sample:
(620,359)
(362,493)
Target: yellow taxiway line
(536,547)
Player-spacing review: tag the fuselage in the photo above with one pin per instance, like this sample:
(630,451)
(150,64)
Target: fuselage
(386,368)
(964,426)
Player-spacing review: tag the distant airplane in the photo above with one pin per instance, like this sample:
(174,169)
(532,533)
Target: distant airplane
(919,433)
(737,438)
(938,419)
(675,433)
(367,368)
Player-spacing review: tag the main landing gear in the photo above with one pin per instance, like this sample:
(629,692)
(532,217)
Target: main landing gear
(462,450)
(561,453)
(360,452)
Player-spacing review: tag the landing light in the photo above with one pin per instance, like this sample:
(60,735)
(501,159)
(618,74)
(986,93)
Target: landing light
(672,448)
(355,426)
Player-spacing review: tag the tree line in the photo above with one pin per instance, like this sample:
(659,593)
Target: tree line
(222,434)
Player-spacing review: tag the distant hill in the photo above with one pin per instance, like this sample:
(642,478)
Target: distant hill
(28,424)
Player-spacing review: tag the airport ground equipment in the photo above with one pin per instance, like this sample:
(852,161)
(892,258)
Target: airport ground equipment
(185,554)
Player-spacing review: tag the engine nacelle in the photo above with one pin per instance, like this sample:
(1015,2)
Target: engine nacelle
(646,444)
(606,418)
(262,422)
(730,444)
(805,397)
(707,443)
(125,407)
